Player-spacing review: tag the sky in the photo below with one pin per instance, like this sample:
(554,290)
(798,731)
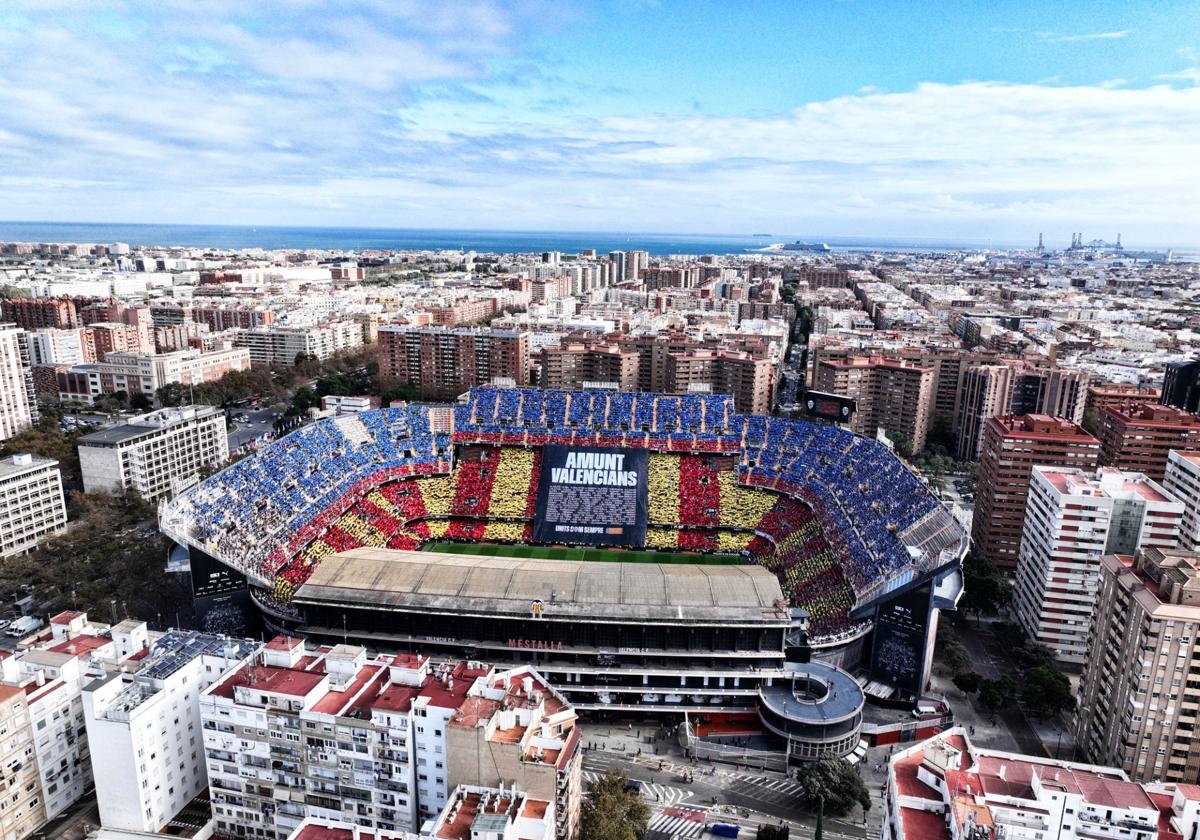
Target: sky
(976,121)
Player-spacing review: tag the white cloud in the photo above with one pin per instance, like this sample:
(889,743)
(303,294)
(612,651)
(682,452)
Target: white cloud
(217,121)
(1054,38)
(1187,74)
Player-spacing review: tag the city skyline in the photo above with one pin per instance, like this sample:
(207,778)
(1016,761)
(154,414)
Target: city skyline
(849,119)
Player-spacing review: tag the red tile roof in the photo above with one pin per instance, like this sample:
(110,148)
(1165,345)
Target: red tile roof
(1162,801)
(924,825)
(269,678)
(80,645)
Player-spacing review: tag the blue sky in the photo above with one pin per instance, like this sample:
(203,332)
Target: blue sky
(966,120)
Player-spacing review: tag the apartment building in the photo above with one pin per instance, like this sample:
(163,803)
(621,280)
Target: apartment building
(155,454)
(948,362)
(279,345)
(145,731)
(140,373)
(984,392)
(31,502)
(581,364)
(221,318)
(1100,397)
(672,363)
(1138,437)
(1073,519)
(114,337)
(22,807)
(36,313)
(472,812)
(51,346)
(445,362)
(1139,690)
(892,394)
(1009,449)
(1181,385)
(1182,480)
(465,311)
(1058,392)
(947,788)
(514,729)
(747,377)
(381,742)
(52,669)
(17,404)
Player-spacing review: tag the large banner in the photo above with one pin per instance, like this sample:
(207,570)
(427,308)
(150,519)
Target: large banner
(899,650)
(221,597)
(592,495)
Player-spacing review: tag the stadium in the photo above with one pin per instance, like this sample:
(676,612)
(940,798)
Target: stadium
(652,554)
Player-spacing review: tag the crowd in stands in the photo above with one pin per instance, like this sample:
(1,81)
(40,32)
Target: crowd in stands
(830,512)
(262,509)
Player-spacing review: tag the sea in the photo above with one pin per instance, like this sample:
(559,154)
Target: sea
(488,241)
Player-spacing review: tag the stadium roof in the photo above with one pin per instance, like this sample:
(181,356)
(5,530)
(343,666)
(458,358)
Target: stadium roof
(433,581)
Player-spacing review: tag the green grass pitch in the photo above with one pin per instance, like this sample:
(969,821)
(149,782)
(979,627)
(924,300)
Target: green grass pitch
(595,555)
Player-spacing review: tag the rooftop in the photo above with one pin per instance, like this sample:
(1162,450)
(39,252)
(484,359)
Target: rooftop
(146,424)
(1106,482)
(176,648)
(568,589)
(22,463)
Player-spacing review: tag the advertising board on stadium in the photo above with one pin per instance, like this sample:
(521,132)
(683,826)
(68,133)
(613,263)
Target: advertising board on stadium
(833,407)
(901,634)
(591,495)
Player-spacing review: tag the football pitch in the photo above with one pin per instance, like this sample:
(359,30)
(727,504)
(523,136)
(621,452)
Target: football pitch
(592,555)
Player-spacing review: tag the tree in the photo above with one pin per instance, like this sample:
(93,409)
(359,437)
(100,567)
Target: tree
(399,393)
(1010,635)
(1048,691)
(835,781)
(950,651)
(968,682)
(48,440)
(613,810)
(172,394)
(140,402)
(997,694)
(985,592)
(303,400)
(902,442)
(111,559)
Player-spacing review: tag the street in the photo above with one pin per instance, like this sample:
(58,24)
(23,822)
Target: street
(260,422)
(722,793)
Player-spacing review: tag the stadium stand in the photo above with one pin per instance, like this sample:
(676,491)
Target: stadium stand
(834,515)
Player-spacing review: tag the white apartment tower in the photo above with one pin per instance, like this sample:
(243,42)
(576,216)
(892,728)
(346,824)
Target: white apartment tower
(16,401)
(156,454)
(1073,519)
(1182,479)
(144,729)
(31,502)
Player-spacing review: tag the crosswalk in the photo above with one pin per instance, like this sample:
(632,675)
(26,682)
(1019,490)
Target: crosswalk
(661,794)
(666,825)
(773,791)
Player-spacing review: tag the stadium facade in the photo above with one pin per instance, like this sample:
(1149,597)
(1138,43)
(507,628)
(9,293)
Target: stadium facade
(842,558)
